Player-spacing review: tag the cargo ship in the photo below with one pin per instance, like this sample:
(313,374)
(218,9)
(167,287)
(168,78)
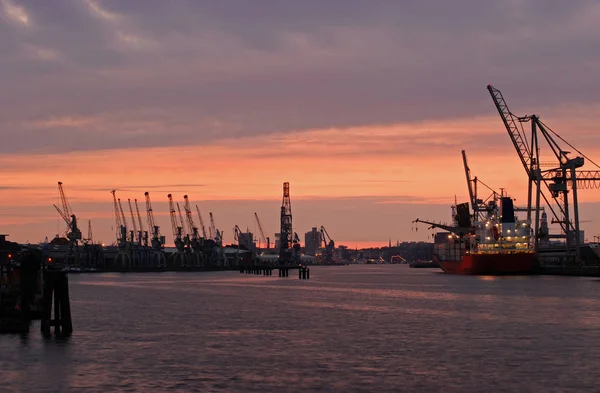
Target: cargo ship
(498,244)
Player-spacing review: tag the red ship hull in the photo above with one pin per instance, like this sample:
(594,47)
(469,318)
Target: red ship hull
(520,263)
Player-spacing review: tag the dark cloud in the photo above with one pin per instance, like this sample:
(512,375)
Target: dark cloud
(154,73)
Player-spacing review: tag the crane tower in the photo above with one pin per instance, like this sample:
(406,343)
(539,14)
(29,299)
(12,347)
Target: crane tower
(286,233)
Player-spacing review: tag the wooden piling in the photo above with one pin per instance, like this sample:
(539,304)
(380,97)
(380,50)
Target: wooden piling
(56,290)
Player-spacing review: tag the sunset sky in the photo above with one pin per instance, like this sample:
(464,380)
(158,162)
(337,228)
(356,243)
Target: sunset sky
(362,105)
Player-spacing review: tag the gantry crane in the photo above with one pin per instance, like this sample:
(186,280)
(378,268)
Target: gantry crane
(121,229)
(142,234)
(192,229)
(179,256)
(328,244)
(123,258)
(201,223)
(560,177)
(123,220)
(157,241)
(266,241)
(186,236)
(214,233)
(195,242)
(73,233)
(134,234)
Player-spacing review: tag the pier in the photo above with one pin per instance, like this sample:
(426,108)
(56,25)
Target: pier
(31,288)
(283,271)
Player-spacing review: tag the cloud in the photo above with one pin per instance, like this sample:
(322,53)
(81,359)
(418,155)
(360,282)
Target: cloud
(15,12)
(150,73)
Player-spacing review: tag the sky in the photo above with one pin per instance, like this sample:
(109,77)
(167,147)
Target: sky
(363,106)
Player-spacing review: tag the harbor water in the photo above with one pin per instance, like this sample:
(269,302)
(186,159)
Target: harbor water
(359,328)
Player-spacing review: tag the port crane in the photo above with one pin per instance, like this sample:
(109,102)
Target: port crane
(73,233)
(215,233)
(157,241)
(134,233)
(179,257)
(185,235)
(143,235)
(193,231)
(236,234)
(263,238)
(121,229)
(123,258)
(286,234)
(556,181)
(201,222)
(328,244)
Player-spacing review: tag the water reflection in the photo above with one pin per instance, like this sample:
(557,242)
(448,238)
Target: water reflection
(401,330)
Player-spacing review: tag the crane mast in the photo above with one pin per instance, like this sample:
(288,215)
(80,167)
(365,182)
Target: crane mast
(201,222)
(90,237)
(286,234)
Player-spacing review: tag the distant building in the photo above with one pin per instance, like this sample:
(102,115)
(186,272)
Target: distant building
(312,241)
(246,240)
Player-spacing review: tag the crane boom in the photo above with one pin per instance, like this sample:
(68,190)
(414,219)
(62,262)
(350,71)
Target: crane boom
(193,230)
(472,193)
(212,228)
(260,230)
(63,215)
(118,221)
(457,230)
(201,222)
(156,241)
(150,216)
(139,216)
(135,230)
(121,212)
(517,134)
(181,220)
(65,202)
(174,227)
(73,233)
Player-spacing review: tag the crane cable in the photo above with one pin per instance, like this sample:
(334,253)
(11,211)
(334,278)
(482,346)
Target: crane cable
(585,184)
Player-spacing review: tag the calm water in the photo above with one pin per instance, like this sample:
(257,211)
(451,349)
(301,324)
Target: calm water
(348,329)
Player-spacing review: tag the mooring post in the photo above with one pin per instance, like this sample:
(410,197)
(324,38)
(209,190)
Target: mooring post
(56,290)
